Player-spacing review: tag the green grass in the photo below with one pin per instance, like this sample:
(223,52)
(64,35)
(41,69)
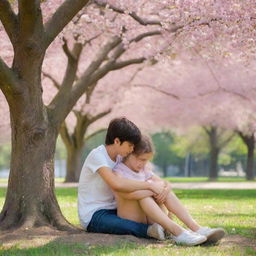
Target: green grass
(131,249)
(233,210)
(204,179)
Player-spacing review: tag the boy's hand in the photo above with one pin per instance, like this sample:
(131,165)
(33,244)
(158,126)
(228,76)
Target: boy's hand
(160,198)
(157,187)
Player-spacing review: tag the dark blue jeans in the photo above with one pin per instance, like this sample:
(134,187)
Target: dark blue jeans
(107,221)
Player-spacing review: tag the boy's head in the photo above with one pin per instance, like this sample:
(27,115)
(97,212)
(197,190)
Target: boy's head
(124,134)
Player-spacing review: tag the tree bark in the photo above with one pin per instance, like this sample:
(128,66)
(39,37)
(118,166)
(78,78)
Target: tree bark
(250,163)
(30,199)
(214,155)
(249,141)
(214,152)
(74,164)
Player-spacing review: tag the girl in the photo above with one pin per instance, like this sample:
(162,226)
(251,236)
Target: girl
(145,207)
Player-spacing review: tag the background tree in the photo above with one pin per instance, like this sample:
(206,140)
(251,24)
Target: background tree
(165,155)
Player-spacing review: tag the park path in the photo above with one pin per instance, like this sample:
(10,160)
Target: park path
(184,185)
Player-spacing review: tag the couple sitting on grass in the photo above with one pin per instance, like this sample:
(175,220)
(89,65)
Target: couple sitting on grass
(119,194)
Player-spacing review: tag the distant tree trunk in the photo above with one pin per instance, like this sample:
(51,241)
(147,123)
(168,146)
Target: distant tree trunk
(214,152)
(249,141)
(75,142)
(74,164)
(214,155)
(217,143)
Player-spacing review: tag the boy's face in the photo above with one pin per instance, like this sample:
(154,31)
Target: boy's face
(138,162)
(125,148)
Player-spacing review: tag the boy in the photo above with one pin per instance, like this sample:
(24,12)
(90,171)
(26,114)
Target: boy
(96,203)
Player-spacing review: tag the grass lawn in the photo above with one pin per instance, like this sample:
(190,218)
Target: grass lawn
(204,179)
(234,210)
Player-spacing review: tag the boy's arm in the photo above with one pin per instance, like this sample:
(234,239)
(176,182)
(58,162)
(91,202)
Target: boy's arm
(136,195)
(125,185)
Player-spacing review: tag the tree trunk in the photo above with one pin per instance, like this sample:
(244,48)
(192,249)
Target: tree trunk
(30,199)
(249,141)
(214,155)
(250,162)
(74,164)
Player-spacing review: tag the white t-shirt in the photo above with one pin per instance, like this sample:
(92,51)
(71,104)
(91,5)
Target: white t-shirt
(93,193)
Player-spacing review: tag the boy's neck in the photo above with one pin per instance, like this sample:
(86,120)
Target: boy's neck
(111,152)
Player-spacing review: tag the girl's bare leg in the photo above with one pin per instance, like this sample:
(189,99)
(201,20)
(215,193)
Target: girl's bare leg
(174,205)
(164,210)
(130,209)
(155,213)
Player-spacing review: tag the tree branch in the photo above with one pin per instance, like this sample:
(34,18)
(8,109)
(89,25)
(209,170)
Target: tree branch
(247,139)
(158,90)
(8,18)
(95,133)
(54,81)
(30,18)
(146,34)
(226,141)
(81,85)
(62,97)
(141,21)
(122,64)
(93,76)
(99,116)
(8,81)
(67,139)
(207,130)
(61,18)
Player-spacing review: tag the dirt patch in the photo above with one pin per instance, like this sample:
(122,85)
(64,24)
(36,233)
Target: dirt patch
(239,241)
(42,236)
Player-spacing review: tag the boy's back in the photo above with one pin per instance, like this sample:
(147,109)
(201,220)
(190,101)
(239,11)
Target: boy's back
(93,193)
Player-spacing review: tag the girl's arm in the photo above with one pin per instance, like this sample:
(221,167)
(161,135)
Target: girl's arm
(136,195)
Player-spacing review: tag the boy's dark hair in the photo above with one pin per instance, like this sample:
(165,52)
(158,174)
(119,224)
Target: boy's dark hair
(144,146)
(124,130)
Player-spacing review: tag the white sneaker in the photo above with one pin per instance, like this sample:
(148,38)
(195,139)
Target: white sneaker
(189,238)
(212,234)
(156,231)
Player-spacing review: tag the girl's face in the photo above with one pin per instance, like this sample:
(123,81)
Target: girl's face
(138,162)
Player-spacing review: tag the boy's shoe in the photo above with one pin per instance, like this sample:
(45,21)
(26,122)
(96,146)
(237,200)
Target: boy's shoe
(189,238)
(156,231)
(213,234)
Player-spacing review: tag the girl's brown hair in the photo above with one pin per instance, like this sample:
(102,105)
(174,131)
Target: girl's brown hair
(144,146)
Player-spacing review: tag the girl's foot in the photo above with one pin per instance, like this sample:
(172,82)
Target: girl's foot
(189,238)
(156,231)
(213,234)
